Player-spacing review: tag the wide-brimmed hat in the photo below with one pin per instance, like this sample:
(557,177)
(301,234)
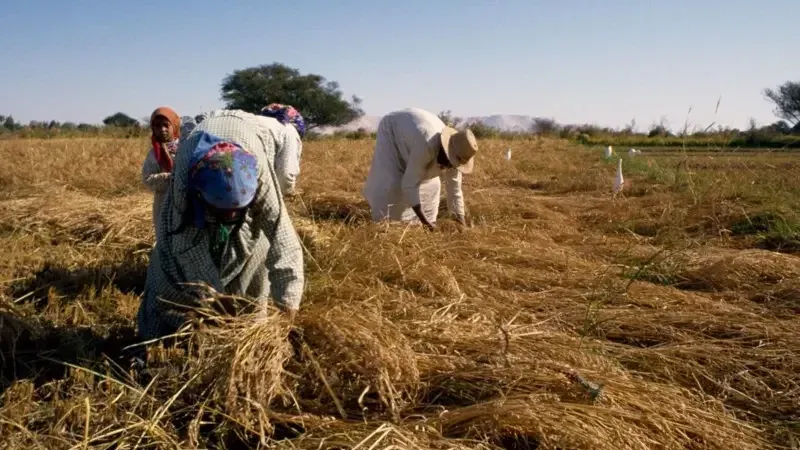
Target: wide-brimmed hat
(460,148)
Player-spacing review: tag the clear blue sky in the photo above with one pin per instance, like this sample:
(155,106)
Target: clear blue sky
(580,61)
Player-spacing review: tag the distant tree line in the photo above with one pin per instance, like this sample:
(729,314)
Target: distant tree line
(778,134)
(117,125)
(323,104)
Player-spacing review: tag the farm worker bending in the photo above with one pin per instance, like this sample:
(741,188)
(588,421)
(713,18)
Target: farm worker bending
(414,149)
(223,223)
(289,128)
(157,168)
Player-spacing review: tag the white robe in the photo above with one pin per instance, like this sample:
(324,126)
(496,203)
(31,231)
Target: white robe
(287,157)
(405,172)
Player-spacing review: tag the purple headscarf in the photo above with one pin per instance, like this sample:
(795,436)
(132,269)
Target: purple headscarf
(285,114)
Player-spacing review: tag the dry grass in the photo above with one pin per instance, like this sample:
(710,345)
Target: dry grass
(564,318)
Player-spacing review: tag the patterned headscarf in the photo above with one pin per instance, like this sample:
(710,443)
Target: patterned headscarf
(161,149)
(285,114)
(221,174)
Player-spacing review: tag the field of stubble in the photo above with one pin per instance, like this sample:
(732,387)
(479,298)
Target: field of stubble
(666,318)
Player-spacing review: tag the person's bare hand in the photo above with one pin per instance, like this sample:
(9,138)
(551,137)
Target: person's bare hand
(422,219)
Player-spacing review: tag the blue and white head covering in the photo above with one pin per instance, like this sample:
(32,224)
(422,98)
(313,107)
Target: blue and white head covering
(222,174)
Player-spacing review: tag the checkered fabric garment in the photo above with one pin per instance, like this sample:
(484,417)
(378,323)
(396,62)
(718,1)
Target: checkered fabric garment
(288,148)
(263,258)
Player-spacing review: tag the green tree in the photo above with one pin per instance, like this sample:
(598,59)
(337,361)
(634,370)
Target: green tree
(319,101)
(787,101)
(10,124)
(780,127)
(120,120)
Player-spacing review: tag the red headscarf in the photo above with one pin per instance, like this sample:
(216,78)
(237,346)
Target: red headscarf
(160,150)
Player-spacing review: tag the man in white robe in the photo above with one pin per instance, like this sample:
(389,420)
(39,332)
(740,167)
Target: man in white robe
(414,152)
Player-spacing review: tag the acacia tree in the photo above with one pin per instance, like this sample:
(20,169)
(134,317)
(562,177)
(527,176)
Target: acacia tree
(787,101)
(319,101)
(120,120)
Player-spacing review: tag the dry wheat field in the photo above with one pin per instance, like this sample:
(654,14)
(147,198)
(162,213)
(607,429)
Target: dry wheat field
(564,318)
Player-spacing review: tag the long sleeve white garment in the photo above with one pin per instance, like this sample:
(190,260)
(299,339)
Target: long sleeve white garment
(287,157)
(288,149)
(404,169)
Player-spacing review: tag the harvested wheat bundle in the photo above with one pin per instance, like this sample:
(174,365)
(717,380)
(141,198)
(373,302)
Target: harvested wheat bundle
(347,208)
(762,380)
(126,274)
(631,420)
(658,296)
(83,411)
(311,234)
(74,216)
(356,354)
(467,382)
(379,435)
(227,369)
(719,321)
(742,271)
(235,366)
(566,383)
(242,364)
(238,355)
(782,299)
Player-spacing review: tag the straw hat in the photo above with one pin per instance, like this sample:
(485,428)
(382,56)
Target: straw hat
(460,148)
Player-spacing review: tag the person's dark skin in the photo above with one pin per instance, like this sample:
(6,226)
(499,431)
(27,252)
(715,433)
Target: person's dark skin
(162,129)
(444,163)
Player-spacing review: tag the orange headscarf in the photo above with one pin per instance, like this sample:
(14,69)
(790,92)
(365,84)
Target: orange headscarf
(160,152)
